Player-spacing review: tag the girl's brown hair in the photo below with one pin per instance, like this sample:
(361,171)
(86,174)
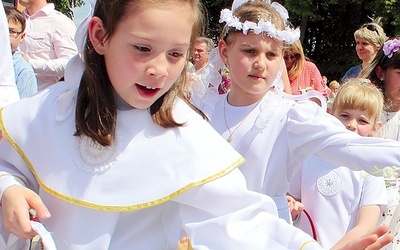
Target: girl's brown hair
(96,111)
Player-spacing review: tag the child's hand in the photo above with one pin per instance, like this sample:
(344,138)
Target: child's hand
(372,241)
(295,207)
(16,203)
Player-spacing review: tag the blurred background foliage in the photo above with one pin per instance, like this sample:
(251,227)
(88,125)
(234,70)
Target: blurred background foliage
(327,26)
(66,6)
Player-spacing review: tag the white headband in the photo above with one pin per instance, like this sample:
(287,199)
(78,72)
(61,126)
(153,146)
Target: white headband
(288,35)
(81,32)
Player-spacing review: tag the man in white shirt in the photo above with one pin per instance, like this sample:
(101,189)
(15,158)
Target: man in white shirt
(204,78)
(49,42)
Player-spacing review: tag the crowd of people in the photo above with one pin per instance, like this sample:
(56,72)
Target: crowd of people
(136,133)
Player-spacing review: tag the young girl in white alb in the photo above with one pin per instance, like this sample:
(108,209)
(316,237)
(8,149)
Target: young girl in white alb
(272,131)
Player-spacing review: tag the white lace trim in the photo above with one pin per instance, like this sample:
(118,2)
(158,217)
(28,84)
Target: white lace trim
(93,157)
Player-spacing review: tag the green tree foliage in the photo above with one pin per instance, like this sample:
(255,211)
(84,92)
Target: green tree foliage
(327,27)
(66,6)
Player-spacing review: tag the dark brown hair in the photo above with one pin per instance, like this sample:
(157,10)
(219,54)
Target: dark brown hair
(385,63)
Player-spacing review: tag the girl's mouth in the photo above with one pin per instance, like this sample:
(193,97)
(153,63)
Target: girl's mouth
(146,91)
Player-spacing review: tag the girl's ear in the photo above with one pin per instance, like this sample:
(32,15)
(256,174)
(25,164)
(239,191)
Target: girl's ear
(380,73)
(223,52)
(97,33)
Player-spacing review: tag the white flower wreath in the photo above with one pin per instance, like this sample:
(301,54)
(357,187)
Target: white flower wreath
(288,35)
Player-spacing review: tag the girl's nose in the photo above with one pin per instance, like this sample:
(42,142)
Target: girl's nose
(351,125)
(259,64)
(158,66)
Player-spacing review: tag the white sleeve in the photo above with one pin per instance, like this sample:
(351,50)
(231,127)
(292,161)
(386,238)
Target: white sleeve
(13,169)
(223,214)
(8,88)
(374,192)
(313,131)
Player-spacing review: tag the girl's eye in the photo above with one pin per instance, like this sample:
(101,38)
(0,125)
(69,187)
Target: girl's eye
(142,48)
(344,116)
(176,54)
(271,54)
(250,51)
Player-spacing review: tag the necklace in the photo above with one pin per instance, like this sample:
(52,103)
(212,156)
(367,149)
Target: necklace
(230,137)
(387,115)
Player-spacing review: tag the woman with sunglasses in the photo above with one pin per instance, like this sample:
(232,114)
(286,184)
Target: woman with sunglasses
(303,74)
(369,39)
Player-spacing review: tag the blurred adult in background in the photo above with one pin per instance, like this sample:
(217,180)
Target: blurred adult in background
(200,74)
(204,77)
(369,39)
(49,42)
(303,74)
(334,87)
(201,51)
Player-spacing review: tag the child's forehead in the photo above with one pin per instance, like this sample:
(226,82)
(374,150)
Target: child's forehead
(357,109)
(14,22)
(255,40)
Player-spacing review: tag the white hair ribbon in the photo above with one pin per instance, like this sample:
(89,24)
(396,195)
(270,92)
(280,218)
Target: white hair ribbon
(74,69)
(81,32)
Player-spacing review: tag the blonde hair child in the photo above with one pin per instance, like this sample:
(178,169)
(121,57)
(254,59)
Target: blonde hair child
(331,192)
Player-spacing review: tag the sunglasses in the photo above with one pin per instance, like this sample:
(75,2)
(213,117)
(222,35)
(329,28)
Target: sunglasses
(291,56)
(371,27)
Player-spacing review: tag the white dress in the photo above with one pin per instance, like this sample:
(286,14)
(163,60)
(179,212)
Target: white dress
(332,196)
(279,134)
(142,191)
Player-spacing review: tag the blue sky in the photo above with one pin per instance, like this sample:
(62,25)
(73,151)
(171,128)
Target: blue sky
(80,13)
